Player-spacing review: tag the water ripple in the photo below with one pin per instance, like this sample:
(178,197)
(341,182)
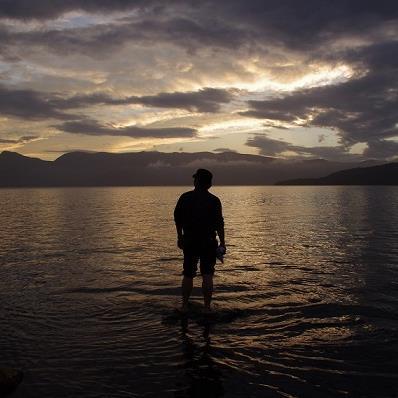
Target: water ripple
(305,304)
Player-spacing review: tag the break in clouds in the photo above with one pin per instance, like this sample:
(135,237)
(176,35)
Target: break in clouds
(178,70)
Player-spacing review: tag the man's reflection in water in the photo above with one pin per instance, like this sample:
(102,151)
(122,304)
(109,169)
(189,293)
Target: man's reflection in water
(201,377)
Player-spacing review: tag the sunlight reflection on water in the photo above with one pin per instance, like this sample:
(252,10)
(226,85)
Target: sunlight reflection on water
(306,302)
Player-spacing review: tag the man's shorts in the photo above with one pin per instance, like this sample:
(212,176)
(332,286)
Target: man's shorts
(203,251)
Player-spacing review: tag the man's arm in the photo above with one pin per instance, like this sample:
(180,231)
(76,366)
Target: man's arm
(178,222)
(179,231)
(221,235)
(220,224)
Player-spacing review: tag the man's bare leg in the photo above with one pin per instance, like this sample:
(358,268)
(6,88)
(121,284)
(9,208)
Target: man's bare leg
(187,285)
(207,288)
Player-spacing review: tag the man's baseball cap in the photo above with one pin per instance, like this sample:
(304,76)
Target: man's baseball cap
(203,175)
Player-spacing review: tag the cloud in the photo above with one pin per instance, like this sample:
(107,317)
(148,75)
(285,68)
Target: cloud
(29,104)
(35,105)
(159,164)
(92,127)
(362,109)
(214,162)
(49,9)
(220,150)
(136,46)
(204,100)
(268,146)
(225,23)
(68,150)
(101,39)
(272,147)
(21,140)
(310,24)
(382,149)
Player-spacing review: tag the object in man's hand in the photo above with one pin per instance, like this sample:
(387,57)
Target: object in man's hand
(220,252)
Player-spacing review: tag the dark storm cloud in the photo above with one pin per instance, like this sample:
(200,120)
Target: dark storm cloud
(382,149)
(272,147)
(35,105)
(306,24)
(224,22)
(92,127)
(99,39)
(205,100)
(21,140)
(49,9)
(29,104)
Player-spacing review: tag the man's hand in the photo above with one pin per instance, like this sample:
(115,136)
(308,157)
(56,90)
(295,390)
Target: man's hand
(220,252)
(180,242)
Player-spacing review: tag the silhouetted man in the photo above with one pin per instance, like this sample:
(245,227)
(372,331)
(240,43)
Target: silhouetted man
(198,218)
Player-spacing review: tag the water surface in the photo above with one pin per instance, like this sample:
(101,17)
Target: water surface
(306,302)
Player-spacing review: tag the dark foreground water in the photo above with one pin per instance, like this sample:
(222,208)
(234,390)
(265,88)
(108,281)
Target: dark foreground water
(306,303)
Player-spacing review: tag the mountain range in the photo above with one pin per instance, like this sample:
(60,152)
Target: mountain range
(158,168)
(386,174)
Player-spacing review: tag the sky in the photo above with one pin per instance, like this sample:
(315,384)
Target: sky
(282,78)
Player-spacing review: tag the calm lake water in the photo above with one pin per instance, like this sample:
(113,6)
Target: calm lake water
(306,301)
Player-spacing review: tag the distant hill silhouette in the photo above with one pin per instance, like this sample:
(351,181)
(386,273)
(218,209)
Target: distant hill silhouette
(154,168)
(386,174)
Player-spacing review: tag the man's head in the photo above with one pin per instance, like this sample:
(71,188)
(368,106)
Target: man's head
(202,179)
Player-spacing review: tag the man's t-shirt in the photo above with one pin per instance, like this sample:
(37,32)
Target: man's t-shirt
(200,215)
